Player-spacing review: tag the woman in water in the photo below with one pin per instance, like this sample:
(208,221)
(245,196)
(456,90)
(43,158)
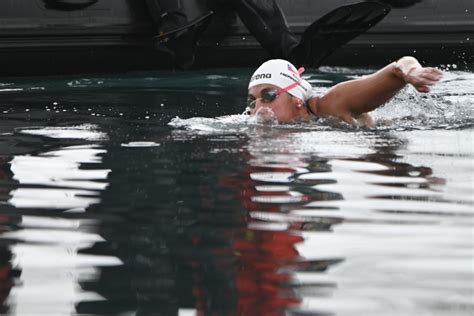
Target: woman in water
(276,90)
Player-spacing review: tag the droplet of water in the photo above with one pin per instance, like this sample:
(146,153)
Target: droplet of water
(140,144)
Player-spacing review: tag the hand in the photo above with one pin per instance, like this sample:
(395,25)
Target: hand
(423,77)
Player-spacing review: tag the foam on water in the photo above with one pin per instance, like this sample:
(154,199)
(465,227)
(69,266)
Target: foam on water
(227,124)
(449,105)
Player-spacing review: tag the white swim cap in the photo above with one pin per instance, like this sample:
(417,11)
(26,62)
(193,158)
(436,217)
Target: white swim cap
(282,74)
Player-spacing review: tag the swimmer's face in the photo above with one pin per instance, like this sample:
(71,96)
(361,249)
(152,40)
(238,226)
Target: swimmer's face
(284,106)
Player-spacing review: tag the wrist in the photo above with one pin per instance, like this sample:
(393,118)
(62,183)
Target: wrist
(404,66)
(406,75)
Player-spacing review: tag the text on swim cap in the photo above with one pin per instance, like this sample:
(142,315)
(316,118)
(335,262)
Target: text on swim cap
(261,76)
(298,81)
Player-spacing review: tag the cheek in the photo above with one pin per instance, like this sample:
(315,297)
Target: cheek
(283,117)
(283,113)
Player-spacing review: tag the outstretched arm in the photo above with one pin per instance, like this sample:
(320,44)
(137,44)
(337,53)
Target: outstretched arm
(350,99)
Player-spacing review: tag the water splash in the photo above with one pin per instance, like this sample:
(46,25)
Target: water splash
(450,105)
(227,124)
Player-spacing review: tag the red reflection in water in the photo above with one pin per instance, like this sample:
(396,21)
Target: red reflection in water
(260,256)
(259,280)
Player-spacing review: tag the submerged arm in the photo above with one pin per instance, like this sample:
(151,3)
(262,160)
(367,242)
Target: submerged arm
(350,99)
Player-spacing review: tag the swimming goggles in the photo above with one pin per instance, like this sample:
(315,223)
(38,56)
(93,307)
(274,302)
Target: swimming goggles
(269,95)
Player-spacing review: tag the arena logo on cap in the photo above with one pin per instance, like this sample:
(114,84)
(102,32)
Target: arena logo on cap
(261,76)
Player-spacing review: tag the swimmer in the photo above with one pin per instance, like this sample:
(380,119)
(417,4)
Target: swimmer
(277,87)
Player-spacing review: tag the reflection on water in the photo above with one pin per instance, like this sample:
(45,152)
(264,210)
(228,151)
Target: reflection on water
(106,209)
(75,188)
(45,248)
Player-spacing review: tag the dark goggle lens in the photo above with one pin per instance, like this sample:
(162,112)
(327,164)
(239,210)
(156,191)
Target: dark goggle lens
(269,95)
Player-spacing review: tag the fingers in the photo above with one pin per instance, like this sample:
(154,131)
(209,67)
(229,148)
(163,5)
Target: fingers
(426,77)
(428,80)
(423,89)
(349,119)
(435,70)
(432,74)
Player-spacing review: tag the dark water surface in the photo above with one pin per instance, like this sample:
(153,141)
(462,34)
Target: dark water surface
(148,194)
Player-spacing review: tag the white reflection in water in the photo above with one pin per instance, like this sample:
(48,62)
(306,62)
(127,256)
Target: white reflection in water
(323,143)
(67,185)
(403,226)
(47,255)
(140,144)
(47,248)
(450,153)
(392,270)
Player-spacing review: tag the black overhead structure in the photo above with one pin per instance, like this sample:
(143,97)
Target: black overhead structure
(71,36)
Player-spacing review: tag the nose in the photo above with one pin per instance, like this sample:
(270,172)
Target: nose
(258,105)
(264,114)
